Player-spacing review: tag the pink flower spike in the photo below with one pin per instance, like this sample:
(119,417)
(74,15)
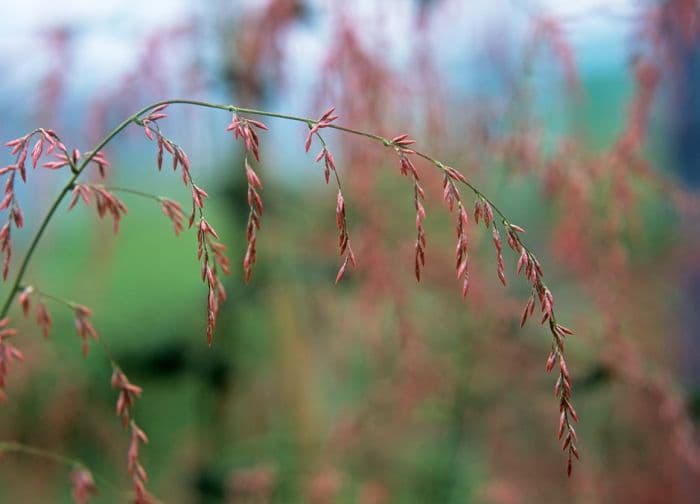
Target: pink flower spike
(258,124)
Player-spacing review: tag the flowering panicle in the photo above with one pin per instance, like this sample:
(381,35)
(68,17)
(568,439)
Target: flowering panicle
(402,147)
(326,119)
(47,142)
(83,485)
(530,267)
(245,128)
(20,148)
(256,209)
(128,393)
(179,157)
(206,243)
(6,248)
(106,202)
(207,238)
(83,326)
(344,247)
(8,353)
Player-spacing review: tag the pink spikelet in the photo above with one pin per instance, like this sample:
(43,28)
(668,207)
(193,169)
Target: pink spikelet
(14,219)
(108,203)
(24,300)
(84,486)
(81,191)
(100,160)
(43,319)
(8,354)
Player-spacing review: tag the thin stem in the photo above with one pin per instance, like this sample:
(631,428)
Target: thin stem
(15,447)
(130,191)
(12,446)
(70,304)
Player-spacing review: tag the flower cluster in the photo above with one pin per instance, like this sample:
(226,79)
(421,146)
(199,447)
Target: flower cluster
(453,198)
(83,485)
(173,211)
(344,247)
(244,128)
(128,393)
(8,353)
(207,238)
(530,267)
(43,317)
(207,242)
(106,202)
(83,326)
(326,119)
(46,143)
(179,157)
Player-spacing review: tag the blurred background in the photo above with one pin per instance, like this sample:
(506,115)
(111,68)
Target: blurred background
(580,119)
